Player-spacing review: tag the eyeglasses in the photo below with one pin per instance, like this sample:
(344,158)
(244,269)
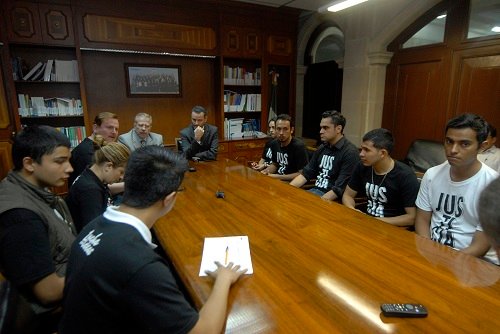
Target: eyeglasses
(143,125)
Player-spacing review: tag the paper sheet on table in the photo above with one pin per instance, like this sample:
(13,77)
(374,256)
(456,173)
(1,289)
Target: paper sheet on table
(238,252)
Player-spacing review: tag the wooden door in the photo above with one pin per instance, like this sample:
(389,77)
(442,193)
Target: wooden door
(477,87)
(415,105)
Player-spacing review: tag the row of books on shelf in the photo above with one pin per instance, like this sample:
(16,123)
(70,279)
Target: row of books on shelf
(51,70)
(75,134)
(240,76)
(36,106)
(242,128)
(242,102)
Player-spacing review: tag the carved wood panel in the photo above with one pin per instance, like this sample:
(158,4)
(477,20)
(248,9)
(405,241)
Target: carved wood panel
(57,25)
(279,45)
(23,23)
(231,43)
(240,42)
(106,29)
(40,23)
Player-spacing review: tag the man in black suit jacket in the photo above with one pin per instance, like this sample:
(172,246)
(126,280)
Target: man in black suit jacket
(199,141)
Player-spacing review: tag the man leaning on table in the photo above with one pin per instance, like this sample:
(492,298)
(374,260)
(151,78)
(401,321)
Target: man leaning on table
(449,193)
(117,283)
(333,162)
(199,141)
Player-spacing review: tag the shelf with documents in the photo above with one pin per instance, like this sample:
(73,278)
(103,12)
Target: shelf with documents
(34,63)
(241,97)
(47,88)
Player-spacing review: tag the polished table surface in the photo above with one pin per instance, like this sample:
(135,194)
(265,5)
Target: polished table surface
(318,266)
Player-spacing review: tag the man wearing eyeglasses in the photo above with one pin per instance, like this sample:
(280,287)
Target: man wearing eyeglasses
(141,134)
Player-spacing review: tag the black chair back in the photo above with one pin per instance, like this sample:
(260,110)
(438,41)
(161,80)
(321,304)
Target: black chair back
(16,315)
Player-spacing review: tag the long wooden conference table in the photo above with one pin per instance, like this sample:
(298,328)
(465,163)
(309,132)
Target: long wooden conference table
(318,266)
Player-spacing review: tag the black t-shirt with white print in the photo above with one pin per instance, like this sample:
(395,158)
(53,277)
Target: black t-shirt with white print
(389,194)
(291,158)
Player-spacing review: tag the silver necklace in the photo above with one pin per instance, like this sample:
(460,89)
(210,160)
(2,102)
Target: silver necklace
(383,179)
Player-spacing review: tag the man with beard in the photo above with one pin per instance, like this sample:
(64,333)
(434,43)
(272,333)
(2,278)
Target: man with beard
(333,162)
(289,155)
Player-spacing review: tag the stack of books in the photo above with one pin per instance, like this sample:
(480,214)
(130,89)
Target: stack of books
(242,102)
(75,134)
(36,106)
(51,70)
(240,76)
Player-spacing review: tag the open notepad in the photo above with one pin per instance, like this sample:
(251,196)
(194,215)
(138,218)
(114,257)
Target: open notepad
(225,250)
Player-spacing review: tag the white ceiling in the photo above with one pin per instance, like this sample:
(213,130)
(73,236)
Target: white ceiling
(313,5)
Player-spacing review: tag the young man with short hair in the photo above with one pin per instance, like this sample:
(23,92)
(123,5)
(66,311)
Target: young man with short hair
(141,134)
(36,229)
(289,154)
(117,283)
(333,162)
(449,193)
(390,186)
(199,141)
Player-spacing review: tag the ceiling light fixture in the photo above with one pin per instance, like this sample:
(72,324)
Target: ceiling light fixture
(340,4)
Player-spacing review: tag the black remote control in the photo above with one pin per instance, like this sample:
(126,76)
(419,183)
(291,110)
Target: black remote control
(404,310)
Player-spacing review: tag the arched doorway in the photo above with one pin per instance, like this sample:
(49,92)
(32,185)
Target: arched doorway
(323,77)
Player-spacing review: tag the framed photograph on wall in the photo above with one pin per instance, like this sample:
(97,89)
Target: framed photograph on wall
(145,80)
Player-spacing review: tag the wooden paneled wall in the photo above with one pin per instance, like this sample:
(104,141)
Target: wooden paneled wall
(426,86)
(105,88)
(172,26)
